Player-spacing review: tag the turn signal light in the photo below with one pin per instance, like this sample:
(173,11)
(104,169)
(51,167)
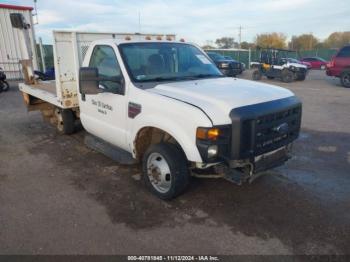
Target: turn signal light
(207,134)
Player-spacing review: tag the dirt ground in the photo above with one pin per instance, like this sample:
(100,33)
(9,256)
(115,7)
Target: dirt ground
(59,197)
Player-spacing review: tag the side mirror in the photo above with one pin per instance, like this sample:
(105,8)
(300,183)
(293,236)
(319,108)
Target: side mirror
(18,21)
(89,81)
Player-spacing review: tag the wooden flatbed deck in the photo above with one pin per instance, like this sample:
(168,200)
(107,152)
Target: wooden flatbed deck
(48,86)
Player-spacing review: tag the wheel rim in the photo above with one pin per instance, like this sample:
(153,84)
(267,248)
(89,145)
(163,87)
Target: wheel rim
(158,172)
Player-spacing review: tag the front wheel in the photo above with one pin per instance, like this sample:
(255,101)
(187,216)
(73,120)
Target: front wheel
(165,170)
(287,76)
(301,77)
(345,79)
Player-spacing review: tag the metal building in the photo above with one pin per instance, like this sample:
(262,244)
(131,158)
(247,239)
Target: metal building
(10,51)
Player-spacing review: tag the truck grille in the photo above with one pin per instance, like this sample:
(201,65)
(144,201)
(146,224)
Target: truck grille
(235,65)
(262,128)
(275,130)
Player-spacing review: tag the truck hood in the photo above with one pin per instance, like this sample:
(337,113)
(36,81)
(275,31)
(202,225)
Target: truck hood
(218,96)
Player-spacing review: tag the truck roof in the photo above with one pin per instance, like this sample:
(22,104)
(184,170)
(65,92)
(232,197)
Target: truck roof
(124,41)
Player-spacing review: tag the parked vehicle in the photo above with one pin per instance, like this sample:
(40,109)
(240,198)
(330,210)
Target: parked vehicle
(296,61)
(167,105)
(4,85)
(316,62)
(242,64)
(273,64)
(228,67)
(339,66)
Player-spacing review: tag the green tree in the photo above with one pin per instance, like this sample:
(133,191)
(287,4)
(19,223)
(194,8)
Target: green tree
(226,42)
(337,39)
(274,40)
(246,45)
(303,42)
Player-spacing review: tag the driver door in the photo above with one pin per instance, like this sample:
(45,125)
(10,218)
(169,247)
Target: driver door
(104,114)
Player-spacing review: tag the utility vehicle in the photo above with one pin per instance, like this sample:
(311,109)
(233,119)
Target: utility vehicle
(274,63)
(166,104)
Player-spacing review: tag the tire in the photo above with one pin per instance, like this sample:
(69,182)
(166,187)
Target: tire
(301,78)
(270,77)
(64,119)
(68,118)
(345,79)
(256,75)
(287,76)
(5,86)
(165,162)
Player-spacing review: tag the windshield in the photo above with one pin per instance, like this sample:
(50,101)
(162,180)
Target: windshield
(293,60)
(215,56)
(147,62)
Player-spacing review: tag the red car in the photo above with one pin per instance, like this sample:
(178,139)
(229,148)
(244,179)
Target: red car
(340,66)
(316,62)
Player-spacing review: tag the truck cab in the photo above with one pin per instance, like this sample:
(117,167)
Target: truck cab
(169,105)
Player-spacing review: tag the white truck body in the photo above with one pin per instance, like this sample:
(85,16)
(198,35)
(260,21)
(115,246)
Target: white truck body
(177,109)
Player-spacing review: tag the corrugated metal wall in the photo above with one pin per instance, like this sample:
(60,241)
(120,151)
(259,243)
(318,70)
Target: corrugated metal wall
(10,51)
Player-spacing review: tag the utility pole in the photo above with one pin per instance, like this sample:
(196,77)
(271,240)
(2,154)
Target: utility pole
(240,39)
(139,22)
(240,36)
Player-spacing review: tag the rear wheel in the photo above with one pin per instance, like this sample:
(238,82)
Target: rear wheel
(345,79)
(165,170)
(287,76)
(256,75)
(270,77)
(65,121)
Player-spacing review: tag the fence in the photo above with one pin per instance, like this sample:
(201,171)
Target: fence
(247,56)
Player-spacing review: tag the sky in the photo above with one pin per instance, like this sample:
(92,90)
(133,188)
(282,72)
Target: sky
(198,21)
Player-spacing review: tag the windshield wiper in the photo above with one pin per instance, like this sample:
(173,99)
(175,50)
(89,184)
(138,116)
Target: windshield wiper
(206,75)
(174,78)
(160,79)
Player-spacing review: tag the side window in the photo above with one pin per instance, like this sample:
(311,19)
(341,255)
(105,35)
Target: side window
(105,60)
(344,52)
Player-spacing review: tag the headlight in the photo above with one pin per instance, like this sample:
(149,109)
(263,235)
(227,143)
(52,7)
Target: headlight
(224,65)
(212,151)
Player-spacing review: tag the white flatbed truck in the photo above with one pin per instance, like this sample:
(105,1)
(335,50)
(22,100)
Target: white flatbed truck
(167,104)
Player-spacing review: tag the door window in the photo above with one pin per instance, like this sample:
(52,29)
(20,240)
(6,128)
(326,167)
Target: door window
(104,59)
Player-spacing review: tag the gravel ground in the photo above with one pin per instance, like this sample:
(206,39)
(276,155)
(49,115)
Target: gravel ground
(59,197)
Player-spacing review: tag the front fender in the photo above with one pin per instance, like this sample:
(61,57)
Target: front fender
(184,134)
